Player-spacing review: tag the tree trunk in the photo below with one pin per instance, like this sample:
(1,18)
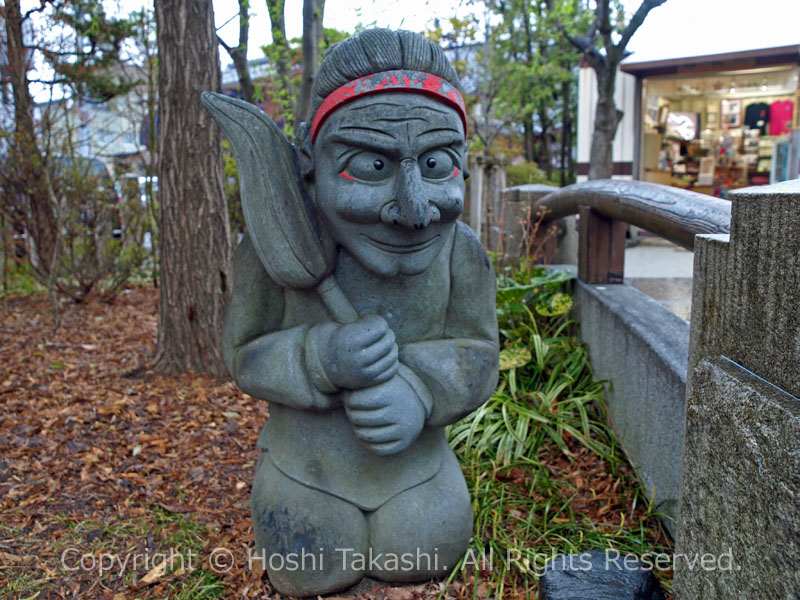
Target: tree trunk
(238,53)
(24,183)
(547,151)
(196,248)
(312,35)
(605,65)
(566,138)
(529,140)
(606,120)
(239,57)
(278,54)
(607,116)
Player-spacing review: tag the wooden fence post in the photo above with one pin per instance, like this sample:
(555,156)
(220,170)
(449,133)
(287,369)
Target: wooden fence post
(601,250)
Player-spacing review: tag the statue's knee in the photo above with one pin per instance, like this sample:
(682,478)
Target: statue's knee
(299,534)
(427,528)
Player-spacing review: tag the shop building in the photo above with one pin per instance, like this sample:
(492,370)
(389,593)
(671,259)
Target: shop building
(706,123)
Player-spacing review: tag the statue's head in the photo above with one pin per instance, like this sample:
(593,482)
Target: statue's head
(387,134)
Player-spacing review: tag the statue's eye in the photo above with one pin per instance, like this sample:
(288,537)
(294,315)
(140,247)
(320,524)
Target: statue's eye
(368,166)
(436,164)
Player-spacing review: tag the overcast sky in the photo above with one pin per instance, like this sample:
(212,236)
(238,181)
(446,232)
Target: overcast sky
(344,15)
(678,28)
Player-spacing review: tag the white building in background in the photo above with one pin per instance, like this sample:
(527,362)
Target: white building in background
(690,121)
(111,130)
(624,142)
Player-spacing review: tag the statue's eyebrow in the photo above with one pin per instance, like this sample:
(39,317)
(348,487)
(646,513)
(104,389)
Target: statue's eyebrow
(419,117)
(366,129)
(356,140)
(395,105)
(440,130)
(436,110)
(373,105)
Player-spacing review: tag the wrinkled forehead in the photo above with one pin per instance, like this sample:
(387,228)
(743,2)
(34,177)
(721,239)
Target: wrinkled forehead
(391,112)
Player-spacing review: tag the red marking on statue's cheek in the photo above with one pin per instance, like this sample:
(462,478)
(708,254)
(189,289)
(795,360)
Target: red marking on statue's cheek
(456,173)
(346,176)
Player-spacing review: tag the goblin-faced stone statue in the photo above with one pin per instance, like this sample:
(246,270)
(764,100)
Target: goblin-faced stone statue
(363,311)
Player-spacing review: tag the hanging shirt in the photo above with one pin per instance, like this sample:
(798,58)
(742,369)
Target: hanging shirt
(756,116)
(781,117)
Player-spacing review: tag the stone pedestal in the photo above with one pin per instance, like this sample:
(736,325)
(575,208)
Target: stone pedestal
(740,509)
(739,512)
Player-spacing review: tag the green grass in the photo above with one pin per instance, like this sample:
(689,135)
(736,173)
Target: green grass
(545,423)
(201,584)
(19,280)
(24,586)
(181,533)
(174,536)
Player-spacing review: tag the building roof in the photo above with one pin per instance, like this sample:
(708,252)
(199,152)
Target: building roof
(727,61)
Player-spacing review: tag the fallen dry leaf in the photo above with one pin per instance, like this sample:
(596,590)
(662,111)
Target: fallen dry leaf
(154,574)
(79,401)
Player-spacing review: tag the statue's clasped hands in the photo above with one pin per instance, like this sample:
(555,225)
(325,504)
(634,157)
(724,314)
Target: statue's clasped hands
(361,354)
(361,358)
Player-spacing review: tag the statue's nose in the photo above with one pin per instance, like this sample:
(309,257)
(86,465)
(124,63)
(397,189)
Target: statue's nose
(410,207)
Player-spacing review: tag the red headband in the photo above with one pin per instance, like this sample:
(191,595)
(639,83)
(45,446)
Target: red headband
(391,81)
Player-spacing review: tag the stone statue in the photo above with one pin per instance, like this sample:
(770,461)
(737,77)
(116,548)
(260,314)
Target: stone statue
(363,311)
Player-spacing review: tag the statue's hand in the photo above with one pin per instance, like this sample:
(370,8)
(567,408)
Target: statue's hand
(387,417)
(361,354)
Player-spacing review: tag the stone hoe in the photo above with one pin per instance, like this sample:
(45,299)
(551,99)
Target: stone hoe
(279,214)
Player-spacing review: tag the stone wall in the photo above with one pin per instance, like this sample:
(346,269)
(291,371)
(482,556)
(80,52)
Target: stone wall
(640,347)
(740,489)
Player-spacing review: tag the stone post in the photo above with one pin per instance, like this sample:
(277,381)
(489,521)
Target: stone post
(476,208)
(739,519)
(516,206)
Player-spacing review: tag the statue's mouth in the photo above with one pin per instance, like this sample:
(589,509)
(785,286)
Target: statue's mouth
(400,248)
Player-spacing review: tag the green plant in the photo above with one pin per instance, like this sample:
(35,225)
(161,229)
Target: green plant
(546,388)
(528,172)
(545,473)
(19,279)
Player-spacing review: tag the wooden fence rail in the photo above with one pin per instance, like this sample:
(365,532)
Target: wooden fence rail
(606,205)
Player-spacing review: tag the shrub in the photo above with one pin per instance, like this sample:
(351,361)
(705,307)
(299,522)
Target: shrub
(528,172)
(100,236)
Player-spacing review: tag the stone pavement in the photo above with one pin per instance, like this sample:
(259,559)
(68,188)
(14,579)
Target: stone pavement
(663,271)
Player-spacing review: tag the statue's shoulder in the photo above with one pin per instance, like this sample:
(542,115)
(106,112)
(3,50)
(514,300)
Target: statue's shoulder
(468,252)
(248,270)
(245,250)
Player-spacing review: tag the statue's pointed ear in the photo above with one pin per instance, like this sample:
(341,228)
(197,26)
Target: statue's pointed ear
(305,152)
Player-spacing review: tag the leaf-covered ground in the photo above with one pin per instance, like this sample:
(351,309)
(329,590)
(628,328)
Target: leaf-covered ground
(119,483)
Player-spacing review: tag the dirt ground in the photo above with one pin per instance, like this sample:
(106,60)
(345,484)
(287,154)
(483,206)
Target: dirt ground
(118,483)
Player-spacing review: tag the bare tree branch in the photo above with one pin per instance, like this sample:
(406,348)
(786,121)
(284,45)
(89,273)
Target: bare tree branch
(222,43)
(638,18)
(228,21)
(604,27)
(238,53)
(584,43)
(42,6)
